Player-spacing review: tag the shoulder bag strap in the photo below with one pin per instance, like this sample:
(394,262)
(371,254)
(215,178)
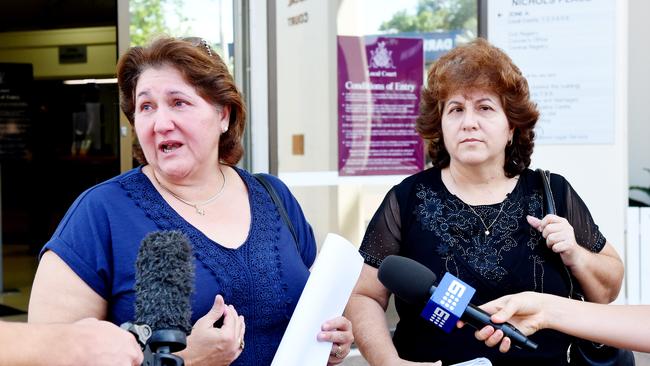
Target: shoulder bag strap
(549,208)
(549,201)
(281,209)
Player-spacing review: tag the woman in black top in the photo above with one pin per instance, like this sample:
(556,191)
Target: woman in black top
(478,215)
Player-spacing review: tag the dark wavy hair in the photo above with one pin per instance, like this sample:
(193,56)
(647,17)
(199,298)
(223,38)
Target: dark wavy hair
(200,67)
(479,65)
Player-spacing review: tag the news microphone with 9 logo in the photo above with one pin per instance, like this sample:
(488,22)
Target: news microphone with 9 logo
(445,304)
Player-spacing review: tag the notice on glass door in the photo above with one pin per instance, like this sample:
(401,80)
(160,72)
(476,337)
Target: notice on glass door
(379,84)
(566,50)
(15,91)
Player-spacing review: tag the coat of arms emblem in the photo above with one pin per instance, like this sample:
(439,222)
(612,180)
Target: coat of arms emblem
(381,57)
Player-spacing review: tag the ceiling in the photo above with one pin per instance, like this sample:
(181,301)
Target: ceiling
(23,15)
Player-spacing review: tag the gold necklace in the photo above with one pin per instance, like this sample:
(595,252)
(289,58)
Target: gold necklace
(487,228)
(198,206)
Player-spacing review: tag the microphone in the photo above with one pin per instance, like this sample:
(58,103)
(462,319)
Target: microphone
(164,281)
(446,303)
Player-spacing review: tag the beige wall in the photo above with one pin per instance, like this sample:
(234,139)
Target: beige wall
(639,119)
(307,105)
(40,48)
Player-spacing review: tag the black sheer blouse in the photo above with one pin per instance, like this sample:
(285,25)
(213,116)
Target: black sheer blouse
(421,219)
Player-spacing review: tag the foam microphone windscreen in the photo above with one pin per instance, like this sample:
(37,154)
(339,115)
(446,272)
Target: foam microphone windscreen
(407,279)
(164,281)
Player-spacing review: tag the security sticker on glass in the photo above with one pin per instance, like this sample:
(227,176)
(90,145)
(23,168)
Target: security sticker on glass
(448,302)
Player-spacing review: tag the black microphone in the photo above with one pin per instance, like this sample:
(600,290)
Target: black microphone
(164,281)
(419,287)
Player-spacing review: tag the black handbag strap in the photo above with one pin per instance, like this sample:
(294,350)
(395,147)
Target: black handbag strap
(550,209)
(583,352)
(278,204)
(549,201)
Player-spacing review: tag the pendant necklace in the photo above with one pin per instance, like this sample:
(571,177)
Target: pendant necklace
(198,206)
(487,227)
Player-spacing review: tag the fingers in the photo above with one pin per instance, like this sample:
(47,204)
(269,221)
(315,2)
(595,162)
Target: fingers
(233,326)
(556,230)
(492,337)
(337,354)
(495,338)
(534,222)
(485,333)
(337,330)
(217,310)
(505,345)
(242,332)
(495,305)
(506,312)
(340,323)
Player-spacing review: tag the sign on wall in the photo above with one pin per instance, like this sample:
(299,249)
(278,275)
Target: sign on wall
(379,84)
(15,91)
(566,50)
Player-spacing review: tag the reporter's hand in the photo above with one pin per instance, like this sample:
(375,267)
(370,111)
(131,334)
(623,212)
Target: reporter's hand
(101,343)
(525,311)
(207,345)
(560,237)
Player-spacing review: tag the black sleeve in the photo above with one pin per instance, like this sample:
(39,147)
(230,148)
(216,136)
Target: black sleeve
(578,215)
(383,235)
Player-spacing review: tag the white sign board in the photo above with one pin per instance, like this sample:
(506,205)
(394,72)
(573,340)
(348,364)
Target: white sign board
(566,49)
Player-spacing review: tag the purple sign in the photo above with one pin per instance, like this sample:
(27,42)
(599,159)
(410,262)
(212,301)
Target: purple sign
(379,81)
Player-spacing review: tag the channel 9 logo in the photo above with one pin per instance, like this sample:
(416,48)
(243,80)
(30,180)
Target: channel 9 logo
(448,302)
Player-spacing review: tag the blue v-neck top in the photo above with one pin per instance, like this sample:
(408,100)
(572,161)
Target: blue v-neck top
(100,235)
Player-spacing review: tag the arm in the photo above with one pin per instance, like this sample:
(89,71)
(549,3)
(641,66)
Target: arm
(60,295)
(600,274)
(615,325)
(366,311)
(86,342)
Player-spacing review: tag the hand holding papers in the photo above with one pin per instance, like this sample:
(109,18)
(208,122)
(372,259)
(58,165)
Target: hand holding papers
(326,293)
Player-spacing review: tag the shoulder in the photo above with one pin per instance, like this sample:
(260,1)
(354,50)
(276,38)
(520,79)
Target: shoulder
(430,177)
(276,184)
(273,181)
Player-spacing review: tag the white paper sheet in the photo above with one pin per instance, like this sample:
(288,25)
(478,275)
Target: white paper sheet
(326,293)
(475,362)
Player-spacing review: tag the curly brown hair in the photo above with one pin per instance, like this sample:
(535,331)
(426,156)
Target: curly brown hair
(200,67)
(478,65)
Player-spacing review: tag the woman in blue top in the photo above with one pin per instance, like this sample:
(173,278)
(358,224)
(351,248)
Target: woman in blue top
(189,119)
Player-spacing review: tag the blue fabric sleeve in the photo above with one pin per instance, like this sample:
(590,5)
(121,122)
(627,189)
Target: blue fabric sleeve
(306,239)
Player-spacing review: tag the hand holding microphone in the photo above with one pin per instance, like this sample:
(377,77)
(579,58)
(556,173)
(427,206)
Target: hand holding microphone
(525,310)
(445,304)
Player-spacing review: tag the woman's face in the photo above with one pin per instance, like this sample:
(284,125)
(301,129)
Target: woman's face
(178,130)
(475,128)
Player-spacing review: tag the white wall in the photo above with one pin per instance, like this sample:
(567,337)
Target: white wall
(259,107)
(599,173)
(306,94)
(638,96)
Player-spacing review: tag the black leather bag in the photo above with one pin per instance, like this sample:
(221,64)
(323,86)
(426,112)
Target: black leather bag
(582,352)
